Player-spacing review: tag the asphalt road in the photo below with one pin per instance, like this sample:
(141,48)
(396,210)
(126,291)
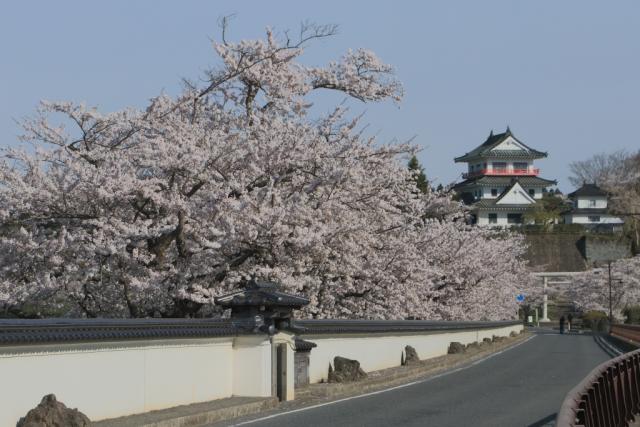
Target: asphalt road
(523,386)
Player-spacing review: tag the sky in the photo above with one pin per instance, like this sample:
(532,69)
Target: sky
(564,75)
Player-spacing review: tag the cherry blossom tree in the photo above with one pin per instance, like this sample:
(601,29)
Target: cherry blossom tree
(590,290)
(142,213)
(619,173)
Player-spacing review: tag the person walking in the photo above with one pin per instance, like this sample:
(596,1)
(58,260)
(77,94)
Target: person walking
(562,324)
(569,322)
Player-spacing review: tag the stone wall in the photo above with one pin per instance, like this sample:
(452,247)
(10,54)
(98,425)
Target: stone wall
(563,252)
(599,248)
(555,252)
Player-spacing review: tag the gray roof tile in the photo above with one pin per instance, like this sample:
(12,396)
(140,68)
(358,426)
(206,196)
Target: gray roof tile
(492,142)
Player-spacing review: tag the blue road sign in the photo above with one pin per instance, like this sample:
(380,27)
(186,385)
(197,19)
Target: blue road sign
(520,297)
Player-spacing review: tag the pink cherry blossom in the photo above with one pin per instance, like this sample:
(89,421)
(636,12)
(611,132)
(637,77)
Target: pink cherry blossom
(153,212)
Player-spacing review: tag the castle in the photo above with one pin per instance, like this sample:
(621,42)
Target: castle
(501,183)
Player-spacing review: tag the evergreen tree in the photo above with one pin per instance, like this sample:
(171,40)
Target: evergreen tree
(418,175)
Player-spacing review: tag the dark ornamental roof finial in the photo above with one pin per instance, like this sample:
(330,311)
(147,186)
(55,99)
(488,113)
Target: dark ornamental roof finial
(508,132)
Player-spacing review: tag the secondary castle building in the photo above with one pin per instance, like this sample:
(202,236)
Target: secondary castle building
(590,207)
(501,183)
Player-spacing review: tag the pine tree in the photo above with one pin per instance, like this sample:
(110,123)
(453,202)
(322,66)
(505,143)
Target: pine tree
(421,179)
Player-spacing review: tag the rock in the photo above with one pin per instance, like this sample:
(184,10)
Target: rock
(345,370)
(487,341)
(411,357)
(474,345)
(513,334)
(455,348)
(498,339)
(51,413)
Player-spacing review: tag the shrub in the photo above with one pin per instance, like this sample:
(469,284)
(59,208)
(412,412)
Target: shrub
(593,319)
(632,314)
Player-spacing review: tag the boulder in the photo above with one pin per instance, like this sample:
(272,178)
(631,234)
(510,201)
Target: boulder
(455,348)
(487,341)
(411,356)
(345,370)
(51,413)
(498,339)
(472,346)
(513,334)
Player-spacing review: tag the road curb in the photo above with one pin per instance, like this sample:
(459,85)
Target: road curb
(197,414)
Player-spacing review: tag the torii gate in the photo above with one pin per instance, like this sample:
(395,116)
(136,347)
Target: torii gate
(562,277)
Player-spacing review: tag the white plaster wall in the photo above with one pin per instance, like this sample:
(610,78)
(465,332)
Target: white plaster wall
(517,195)
(585,202)
(381,351)
(537,192)
(252,366)
(584,219)
(509,144)
(483,218)
(108,380)
(486,192)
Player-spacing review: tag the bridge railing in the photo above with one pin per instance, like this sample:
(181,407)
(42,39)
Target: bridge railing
(608,397)
(629,333)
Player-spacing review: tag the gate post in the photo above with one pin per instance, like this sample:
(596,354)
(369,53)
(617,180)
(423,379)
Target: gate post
(283,370)
(262,308)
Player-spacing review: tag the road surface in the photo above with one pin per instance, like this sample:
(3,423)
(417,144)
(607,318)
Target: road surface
(522,386)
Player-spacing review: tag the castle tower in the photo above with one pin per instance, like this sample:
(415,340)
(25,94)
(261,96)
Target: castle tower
(501,183)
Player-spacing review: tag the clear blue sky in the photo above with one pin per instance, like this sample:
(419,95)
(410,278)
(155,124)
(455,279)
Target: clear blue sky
(565,75)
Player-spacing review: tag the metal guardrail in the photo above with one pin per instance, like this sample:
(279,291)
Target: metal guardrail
(608,397)
(626,332)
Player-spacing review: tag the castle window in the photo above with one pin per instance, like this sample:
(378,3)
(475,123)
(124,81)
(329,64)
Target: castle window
(514,218)
(520,166)
(493,218)
(500,166)
(494,192)
(532,192)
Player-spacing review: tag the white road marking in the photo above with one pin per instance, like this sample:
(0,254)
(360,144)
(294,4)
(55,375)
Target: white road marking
(443,374)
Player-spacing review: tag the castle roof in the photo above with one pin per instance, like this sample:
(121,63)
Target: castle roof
(498,204)
(503,181)
(588,190)
(490,148)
